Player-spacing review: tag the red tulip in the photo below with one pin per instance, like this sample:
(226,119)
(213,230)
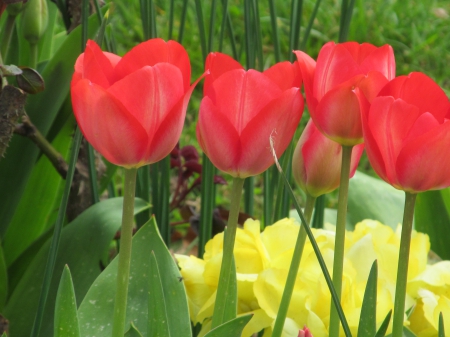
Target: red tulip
(407,135)
(344,80)
(316,164)
(242,109)
(132,109)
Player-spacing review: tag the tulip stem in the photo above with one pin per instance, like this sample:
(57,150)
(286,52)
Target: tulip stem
(293,269)
(338,263)
(33,55)
(402,269)
(226,272)
(123,270)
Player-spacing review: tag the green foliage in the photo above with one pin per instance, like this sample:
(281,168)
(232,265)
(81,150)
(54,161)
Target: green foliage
(232,328)
(96,310)
(432,216)
(368,317)
(66,316)
(83,245)
(133,331)
(3,280)
(384,326)
(157,311)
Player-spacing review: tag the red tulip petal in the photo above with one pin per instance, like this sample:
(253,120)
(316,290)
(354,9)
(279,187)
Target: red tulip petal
(389,122)
(338,115)
(356,156)
(371,145)
(218,137)
(379,59)
(419,90)
(422,164)
(243,95)
(423,124)
(217,64)
(96,66)
(168,133)
(278,119)
(107,125)
(307,68)
(359,52)
(159,89)
(285,74)
(371,84)
(154,51)
(335,65)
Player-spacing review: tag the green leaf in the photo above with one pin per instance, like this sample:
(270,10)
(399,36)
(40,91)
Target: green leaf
(432,216)
(83,244)
(406,333)
(384,326)
(157,314)
(231,328)
(3,280)
(42,110)
(371,198)
(37,204)
(441,325)
(368,317)
(96,310)
(66,316)
(133,331)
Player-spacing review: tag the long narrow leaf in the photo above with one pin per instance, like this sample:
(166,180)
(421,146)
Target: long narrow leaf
(316,249)
(441,325)
(368,317)
(66,316)
(157,313)
(232,328)
(384,326)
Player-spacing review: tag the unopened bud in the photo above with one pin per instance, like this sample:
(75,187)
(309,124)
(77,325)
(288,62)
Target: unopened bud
(34,20)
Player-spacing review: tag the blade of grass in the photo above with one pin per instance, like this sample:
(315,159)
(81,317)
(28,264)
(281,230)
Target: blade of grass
(314,245)
(171,14)
(295,24)
(207,204)
(223,25)
(201,28)
(319,212)
(182,21)
(346,18)
(309,27)
(212,20)
(56,235)
(273,21)
(258,37)
(164,198)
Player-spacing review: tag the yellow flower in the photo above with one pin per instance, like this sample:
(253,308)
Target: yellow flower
(263,261)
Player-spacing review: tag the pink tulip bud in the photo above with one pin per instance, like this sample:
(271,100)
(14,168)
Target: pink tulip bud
(305,333)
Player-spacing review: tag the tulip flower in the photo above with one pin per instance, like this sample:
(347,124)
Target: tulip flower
(242,109)
(345,79)
(240,113)
(407,133)
(132,109)
(316,164)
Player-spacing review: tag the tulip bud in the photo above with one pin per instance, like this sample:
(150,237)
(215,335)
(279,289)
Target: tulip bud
(316,164)
(305,333)
(34,20)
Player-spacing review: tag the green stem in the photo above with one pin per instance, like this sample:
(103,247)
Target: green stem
(249,195)
(293,270)
(403,260)
(273,22)
(123,270)
(228,248)
(165,199)
(8,30)
(33,55)
(207,204)
(267,200)
(338,263)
